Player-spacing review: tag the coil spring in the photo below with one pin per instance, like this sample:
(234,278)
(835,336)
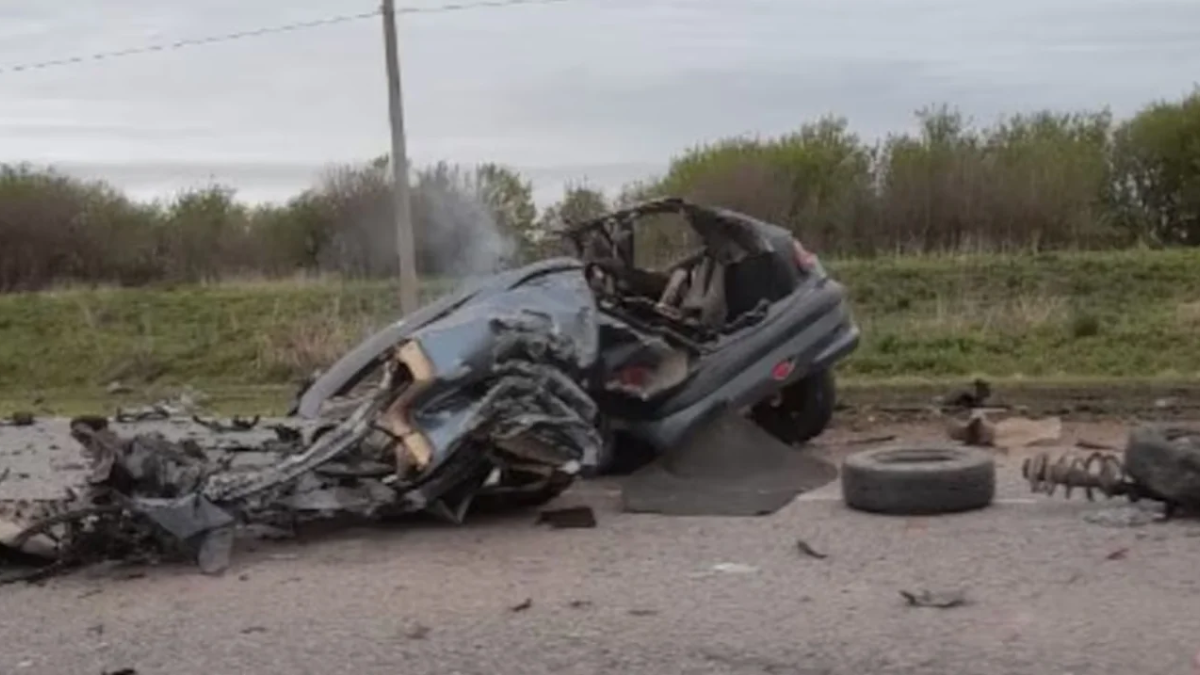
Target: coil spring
(1102,472)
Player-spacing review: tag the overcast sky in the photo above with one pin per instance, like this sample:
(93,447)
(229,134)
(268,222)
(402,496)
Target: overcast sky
(603,90)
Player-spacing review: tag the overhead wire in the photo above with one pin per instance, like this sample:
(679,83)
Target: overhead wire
(268,30)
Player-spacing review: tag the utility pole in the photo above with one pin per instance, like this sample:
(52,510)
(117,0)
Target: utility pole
(405,243)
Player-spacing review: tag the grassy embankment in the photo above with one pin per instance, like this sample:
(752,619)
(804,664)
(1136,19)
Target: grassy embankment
(1053,317)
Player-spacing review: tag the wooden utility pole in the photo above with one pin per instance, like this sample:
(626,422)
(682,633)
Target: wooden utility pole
(405,243)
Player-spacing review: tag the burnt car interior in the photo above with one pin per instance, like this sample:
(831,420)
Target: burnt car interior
(723,288)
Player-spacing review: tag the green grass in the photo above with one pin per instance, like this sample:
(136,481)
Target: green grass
(1112,314)
(1072,315)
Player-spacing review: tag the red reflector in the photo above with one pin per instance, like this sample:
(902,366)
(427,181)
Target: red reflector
(782,370)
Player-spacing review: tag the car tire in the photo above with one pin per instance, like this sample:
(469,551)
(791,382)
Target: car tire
(919,480)
(804,410)
(1164,460)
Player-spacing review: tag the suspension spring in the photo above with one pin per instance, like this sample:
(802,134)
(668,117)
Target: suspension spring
(1102,472)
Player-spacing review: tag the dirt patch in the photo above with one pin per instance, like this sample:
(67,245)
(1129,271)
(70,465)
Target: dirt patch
(865,407)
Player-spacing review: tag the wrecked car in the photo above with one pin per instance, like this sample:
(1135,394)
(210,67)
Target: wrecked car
(507,390)
(523,380)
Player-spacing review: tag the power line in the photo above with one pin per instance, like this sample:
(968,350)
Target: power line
(473,5)
(269,30)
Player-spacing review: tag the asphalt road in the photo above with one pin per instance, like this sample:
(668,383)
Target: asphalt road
(1048,592)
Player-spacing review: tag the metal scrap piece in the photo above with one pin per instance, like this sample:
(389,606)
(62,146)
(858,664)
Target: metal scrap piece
(804,548)
(235,424)
(152,413)
(215,549)
(364,498)
(327,447)
(185,517)
(935,599)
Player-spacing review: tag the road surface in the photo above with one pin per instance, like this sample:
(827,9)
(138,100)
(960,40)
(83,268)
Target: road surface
(1049,593)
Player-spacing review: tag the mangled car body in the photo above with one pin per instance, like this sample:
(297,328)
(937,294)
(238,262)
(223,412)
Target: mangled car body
(560,366)
(508,389)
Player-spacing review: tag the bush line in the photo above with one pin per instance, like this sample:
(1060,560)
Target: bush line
(1031,182)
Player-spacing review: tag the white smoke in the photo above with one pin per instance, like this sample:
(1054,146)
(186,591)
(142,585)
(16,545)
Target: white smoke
(459,232)
(461,236)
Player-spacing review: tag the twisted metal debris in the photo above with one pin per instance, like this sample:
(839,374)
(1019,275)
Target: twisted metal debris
(523,434)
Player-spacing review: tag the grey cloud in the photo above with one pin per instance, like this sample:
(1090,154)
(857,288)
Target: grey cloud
(600,87)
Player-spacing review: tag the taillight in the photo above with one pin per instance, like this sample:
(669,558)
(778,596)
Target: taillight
(806,260)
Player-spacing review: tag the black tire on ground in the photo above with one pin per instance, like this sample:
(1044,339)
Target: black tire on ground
(919,480)
(805,408)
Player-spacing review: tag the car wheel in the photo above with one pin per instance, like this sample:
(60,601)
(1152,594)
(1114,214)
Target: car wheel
(803,410)
(919,480)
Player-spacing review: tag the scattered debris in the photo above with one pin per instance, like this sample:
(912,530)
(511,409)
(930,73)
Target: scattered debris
(417,632)
(152,413)
(976,397)
(1023,432)
(579,604)
(809,551)
(1118,554)
(287,434)
(1008,434)
(183,404)
(253,629)
(871,440)
(522,606)
(234,425)
(1122,516)
(575,517)
(734,568)
(936,599)
(977,430)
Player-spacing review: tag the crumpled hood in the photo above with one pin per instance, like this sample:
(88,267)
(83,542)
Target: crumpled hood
(356,364)
(512,365)
(503,358)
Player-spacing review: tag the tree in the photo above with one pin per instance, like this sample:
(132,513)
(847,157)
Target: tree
(1156,162)
(578,203)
